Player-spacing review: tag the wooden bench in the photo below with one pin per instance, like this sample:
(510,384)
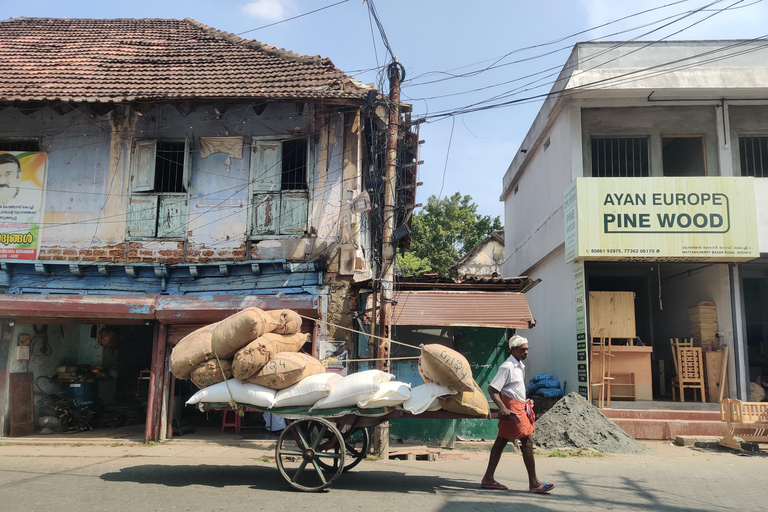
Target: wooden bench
(747,420)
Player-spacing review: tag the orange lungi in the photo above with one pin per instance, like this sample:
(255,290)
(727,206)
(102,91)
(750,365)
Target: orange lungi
(508,429)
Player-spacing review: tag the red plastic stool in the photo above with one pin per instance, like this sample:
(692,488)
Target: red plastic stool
(230,419)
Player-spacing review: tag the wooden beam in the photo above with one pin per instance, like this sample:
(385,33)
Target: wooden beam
(154,404)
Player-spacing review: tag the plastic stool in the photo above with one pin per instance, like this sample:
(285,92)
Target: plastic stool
(230,419)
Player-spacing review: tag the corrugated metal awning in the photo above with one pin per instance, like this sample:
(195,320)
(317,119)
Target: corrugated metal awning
(132,309)
(454,308)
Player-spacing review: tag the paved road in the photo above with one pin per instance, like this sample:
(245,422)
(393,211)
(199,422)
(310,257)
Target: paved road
(210,476)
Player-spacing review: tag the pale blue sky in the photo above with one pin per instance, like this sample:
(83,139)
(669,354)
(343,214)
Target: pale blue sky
(446,36)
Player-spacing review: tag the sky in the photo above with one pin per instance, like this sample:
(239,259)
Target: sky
(455,54)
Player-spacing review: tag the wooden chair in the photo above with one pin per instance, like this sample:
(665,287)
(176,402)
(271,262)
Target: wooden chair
(689,368)
(604,386)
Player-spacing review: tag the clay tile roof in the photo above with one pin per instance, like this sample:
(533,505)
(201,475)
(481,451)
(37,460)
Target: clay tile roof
(101,60)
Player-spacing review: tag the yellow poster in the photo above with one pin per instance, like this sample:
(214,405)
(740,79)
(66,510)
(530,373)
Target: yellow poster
(661,219)
(22,175)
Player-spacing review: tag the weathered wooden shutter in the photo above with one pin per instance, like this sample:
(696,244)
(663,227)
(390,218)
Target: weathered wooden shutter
(172,217)
(142,216)
(294,208)
(267,166)
(144,155)
(266,210)
(187,164)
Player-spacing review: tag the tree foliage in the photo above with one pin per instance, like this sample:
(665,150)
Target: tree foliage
(442,233)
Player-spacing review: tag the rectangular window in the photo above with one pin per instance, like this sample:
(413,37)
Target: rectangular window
(753,153)
(619,157)
(20,145)
(157,207)
(280,186)
(683,155)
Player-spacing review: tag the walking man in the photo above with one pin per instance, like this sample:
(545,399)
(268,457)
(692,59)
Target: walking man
(516,417)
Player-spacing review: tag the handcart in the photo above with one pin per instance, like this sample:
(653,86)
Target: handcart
(308,453)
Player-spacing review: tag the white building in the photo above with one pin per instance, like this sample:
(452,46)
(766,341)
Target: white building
(646,170)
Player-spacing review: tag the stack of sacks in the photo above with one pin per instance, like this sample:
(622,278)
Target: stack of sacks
(446,367)
(546,385)
(361,388)
(243,342)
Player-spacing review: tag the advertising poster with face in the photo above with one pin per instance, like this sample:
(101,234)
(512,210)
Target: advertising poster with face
(22,174)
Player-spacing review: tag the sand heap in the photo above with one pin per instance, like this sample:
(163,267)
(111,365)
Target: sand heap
(575,423)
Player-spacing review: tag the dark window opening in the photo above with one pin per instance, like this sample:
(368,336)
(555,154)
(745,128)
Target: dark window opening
(20,145)
(619,157)
(169,167)
(294,163)
(753,153)
(683,156)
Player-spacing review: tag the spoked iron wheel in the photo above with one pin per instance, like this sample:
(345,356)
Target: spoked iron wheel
(305,454)
(356,442)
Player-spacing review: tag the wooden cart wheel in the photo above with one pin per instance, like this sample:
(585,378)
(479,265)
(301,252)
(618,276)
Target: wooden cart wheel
(357,442)
(304,453)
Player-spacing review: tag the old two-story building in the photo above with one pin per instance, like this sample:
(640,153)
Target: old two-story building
(158,175)
(645,175)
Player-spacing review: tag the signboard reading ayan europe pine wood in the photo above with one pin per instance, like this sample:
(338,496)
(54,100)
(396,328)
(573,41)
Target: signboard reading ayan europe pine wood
(661,219)
(22,175)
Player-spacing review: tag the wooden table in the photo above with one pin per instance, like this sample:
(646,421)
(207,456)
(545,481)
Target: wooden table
(627,359)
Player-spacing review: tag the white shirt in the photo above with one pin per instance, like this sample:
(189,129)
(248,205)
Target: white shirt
(510,379)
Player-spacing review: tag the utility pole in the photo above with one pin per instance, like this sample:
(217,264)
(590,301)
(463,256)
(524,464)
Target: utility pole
(381,434)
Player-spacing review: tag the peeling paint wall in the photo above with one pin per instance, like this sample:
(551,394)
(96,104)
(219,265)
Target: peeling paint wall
(89,182)
(485,262)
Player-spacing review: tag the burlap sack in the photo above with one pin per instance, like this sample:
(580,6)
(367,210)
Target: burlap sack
(252,357)
(209,373)
(288,321)
(471,403)
(192,350)
(446,367)
(238,330)
(286,369)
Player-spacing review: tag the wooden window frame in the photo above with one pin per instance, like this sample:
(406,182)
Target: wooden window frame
(270,203)
(146,207)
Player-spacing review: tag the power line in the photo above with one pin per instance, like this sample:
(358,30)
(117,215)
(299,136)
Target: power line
(292,18)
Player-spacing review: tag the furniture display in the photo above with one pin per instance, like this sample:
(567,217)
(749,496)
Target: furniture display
(612,313)
(689,368)
(746,420)
(702,320)
(634,360)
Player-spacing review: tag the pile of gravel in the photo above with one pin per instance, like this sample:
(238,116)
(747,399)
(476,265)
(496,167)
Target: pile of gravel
(575,423)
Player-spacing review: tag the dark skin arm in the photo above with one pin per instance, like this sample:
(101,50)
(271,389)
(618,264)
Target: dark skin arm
(504,413)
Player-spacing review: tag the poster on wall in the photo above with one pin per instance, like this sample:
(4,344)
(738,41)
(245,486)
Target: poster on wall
(661,219)
(22,175)
(334,355)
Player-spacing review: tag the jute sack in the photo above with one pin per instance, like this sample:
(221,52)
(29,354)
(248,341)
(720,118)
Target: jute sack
(288,321)
(446,367)
(209,373)
(252,357)
(238,330)
(471,403)
(286,369)
(192,350)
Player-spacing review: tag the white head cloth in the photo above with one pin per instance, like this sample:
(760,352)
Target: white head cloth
(517,341)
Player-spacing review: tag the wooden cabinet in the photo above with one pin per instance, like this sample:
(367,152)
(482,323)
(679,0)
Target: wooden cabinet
(612,313)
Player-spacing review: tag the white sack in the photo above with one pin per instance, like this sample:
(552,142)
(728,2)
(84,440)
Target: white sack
(354,388)
(424,398)
(389,394)
(243,393)
(307,391)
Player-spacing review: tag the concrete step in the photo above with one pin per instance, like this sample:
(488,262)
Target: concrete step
(661,414)
(660,429)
